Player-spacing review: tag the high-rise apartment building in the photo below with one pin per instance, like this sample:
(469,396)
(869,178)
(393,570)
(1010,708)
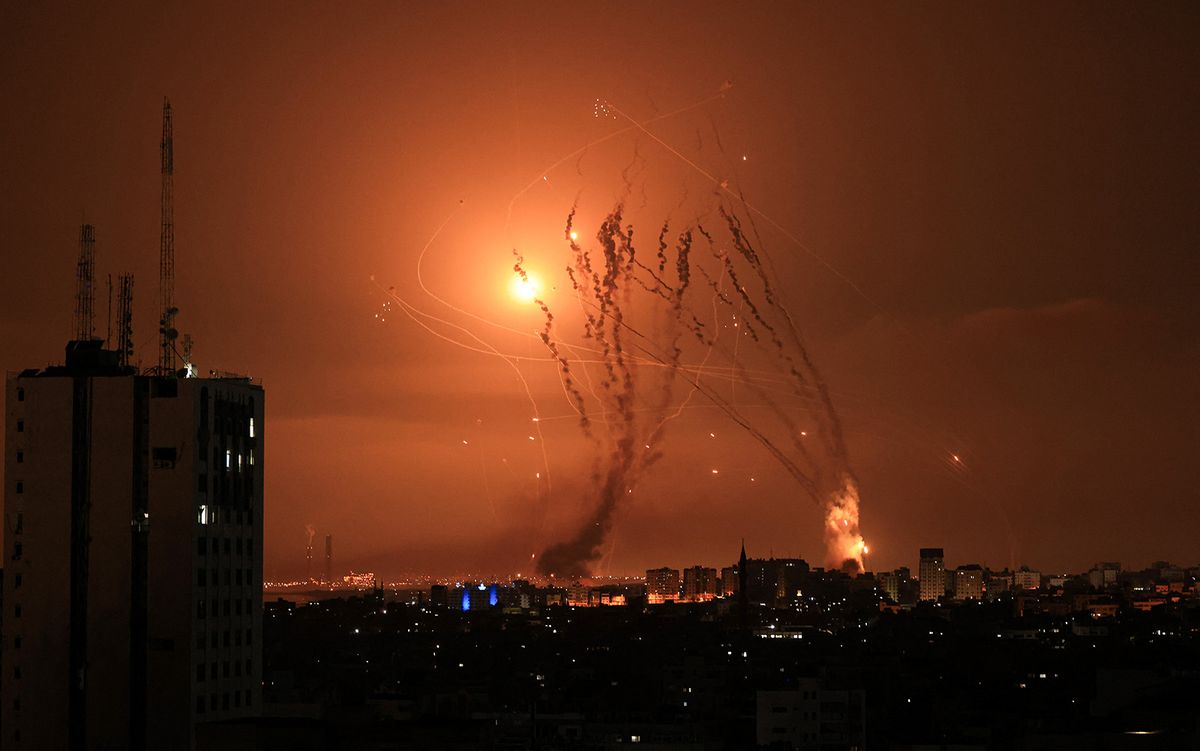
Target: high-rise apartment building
(968,582)
(662,584)
(699,583)
(133,555)
(1025,579)
(932,572)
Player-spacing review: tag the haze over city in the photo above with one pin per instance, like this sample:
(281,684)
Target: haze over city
(980,220)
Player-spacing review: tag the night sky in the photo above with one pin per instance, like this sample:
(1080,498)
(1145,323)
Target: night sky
(995,209)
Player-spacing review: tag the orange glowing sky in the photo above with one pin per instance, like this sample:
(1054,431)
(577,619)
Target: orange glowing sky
(1005,196)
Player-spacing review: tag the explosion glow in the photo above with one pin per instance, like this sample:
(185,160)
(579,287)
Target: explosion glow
(843,543)
(692,306)
(525,289)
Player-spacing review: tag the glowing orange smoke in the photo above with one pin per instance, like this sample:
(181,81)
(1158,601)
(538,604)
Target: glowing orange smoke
(843,542)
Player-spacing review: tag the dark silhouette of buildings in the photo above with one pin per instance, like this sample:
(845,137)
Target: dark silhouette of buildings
(134,554)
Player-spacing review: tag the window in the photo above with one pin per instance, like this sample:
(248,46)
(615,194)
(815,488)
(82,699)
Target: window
(20,487)
(164,457)
(199,705)
(200,577)
(201,546)
(202,483)
(226,669)
(212,670)
(200,611)
(16,581)
(16,642)
(17,611)
(20,394)
(20,523)
(200,674)
(20,457)
(228,458)
(251,427)
(18,551)
(20,426)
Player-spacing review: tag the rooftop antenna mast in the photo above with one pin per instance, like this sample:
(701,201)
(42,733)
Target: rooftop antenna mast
(85,292)
(124,319)
(167,332)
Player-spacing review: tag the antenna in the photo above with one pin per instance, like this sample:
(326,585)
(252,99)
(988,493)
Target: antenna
(186,356)
(108,330)
(167,332)
(85,293)
(124,319)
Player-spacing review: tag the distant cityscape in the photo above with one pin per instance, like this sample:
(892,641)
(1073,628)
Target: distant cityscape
(1101,591)
(761,653)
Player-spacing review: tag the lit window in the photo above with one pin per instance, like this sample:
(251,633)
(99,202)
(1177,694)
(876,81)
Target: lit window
(251,427)
(228,458)
(251,457)
(203,516)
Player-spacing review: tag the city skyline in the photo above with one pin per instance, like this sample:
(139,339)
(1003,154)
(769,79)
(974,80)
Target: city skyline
(994,276)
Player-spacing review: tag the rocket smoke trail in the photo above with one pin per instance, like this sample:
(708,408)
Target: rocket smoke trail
(615,290)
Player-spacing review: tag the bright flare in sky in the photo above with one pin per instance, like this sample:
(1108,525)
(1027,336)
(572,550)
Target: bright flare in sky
(525,290)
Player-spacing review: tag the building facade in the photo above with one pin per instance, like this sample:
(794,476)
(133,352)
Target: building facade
(968,582)
(133,549)
(662,584)
(811,717)
(932,572)
(700,583)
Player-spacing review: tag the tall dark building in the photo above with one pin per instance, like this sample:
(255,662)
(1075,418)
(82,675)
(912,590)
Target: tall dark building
(133,548)
(932,572)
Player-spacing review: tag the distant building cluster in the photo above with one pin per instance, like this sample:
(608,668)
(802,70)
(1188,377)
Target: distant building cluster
(1101,590)
(793,583)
